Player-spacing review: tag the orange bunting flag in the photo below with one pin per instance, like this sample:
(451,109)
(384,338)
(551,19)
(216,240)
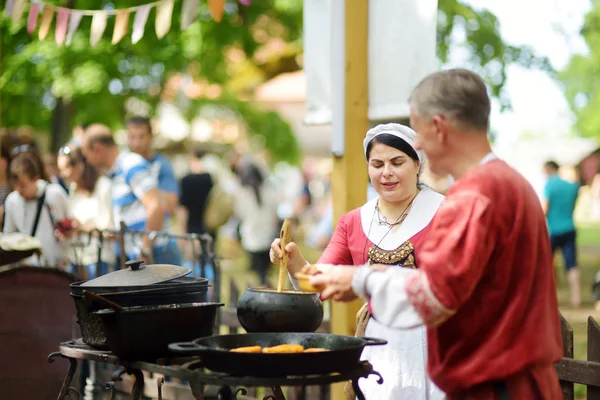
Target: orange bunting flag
(162,24)
(216,9)
(121,24)
(47,15)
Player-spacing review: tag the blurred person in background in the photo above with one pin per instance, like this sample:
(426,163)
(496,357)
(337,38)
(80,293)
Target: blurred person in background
(8,142)
(559,202)
(136,199)
(35,207)
(195,188)
(140,140)
(255,205)
(51,164)
(90,204)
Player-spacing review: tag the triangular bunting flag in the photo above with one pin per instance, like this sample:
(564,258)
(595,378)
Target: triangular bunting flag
(17,11)
(47,15)
(162,24)
(73,24)
(32,18)
(189,12)
(216,9)
(8,7)
(139,22)
(62,22)
(121,24)
(98,27)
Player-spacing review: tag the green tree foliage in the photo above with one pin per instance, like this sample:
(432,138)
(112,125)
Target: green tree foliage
(54,87)
(581,78)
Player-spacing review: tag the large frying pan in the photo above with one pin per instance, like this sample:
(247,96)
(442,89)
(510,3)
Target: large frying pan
(214,353)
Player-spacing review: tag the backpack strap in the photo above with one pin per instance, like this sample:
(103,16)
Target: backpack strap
(38,213)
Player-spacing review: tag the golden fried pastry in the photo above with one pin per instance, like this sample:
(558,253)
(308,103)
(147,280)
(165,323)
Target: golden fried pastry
(247,349)
(315,350)
(284,348)
(309,269)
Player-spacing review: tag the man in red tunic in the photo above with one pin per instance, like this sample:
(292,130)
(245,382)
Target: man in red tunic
(485,285)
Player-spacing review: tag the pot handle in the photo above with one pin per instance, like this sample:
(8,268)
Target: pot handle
(186,347)
(373,341)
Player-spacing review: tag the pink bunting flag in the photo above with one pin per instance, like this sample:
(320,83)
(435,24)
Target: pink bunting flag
(139,22)
(62,23)
(32,18)
(74,21)
(189,12)
(8,7)
(245,2)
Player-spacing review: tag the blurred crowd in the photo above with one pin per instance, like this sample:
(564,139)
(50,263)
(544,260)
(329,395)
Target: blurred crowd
(94,184)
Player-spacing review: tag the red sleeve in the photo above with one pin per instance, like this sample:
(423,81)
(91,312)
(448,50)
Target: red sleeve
(458,248)
(338,251)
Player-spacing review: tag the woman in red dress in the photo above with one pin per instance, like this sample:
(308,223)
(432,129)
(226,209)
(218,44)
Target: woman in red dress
(386,230)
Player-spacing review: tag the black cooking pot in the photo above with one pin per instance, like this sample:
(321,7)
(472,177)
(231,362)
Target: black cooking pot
(214,352)
(144,333)
(267,310)
(136,285)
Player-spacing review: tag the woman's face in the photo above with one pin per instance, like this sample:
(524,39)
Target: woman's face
(69,170)
(393,173)
(26,186)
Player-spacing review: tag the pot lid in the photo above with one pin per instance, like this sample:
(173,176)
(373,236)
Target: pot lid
(137,274)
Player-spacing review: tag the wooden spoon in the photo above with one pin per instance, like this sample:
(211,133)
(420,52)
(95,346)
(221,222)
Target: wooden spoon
(285,237)
(89,296)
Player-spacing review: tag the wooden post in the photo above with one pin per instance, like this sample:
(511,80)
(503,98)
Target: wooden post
(568,389)
(349,178)
(593,354)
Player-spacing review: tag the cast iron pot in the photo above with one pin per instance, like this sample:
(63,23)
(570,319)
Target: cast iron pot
(267,310)
(144,333)
(215,354)
(92,332)
(136,285)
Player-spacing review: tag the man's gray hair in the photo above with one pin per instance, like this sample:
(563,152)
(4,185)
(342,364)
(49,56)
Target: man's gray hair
(457,94)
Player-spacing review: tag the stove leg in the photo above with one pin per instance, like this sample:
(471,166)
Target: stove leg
(225,393)
(160,382)
(357,391)
(65,389)
(138,384)
(197,390)
(277,393)
(113,389)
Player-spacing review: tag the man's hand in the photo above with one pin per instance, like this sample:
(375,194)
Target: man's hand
(146,256)
(337,281)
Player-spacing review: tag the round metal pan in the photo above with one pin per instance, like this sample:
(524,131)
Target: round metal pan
(215,354)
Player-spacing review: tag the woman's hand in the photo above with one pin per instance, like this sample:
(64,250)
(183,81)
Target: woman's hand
(295,259)
(337,281)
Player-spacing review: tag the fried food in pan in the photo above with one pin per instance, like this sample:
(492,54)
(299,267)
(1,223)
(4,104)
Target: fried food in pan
(247,349)
(315,350)
(284,348)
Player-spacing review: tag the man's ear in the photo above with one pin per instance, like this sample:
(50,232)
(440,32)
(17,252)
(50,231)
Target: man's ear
(441,127)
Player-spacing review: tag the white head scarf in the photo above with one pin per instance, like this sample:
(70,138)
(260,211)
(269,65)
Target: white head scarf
(398,130)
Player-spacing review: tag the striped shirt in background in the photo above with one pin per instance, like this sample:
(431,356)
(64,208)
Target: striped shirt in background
(132,177)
